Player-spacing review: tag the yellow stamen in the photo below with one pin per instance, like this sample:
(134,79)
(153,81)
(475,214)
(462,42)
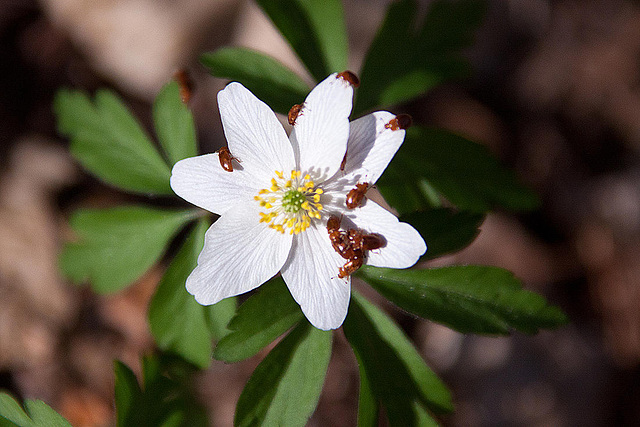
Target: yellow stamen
(293,204)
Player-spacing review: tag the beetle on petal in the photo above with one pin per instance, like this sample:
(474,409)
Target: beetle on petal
(277,205)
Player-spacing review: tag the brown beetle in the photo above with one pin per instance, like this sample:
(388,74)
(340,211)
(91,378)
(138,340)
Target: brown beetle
(372,241)
(352,265)
(351,245)
(293,113)
(365,241)
(338,238)
(343,163)
(401,121)
(350,78)
(333,224)
(226,159)
(355,237)
(185,84)
(355,196)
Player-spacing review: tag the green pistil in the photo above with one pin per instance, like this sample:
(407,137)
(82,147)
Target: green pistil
(292,201)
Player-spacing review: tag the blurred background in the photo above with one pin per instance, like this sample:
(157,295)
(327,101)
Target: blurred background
(555,94)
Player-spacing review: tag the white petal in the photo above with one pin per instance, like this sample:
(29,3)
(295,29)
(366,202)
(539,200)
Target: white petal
(404,245)
(202,181)
(239,254)
(253,132)
(370,148)
(321,130)
(311,274)
(371,145)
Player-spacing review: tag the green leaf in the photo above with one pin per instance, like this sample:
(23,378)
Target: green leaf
(285,387)
(108,141)
(328,25)
(178,323)
(461,170)
(266,315)
(367,402)
(396,373)
(43,415)
(408,58)
(127,391)
(263,75)
(469,299)
(316,31)
(174,124)
(218,317)
(423,418)
(445,230)
(116,246)
(37,414)
(166,398)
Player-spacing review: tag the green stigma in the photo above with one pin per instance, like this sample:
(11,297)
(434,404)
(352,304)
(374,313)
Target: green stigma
(292,201)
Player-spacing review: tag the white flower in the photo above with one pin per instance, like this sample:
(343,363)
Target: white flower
(275,204)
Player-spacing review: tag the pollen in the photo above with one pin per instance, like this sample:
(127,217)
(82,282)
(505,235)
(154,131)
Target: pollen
(292,202)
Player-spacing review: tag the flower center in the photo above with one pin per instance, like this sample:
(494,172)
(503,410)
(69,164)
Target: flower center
(290,203)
